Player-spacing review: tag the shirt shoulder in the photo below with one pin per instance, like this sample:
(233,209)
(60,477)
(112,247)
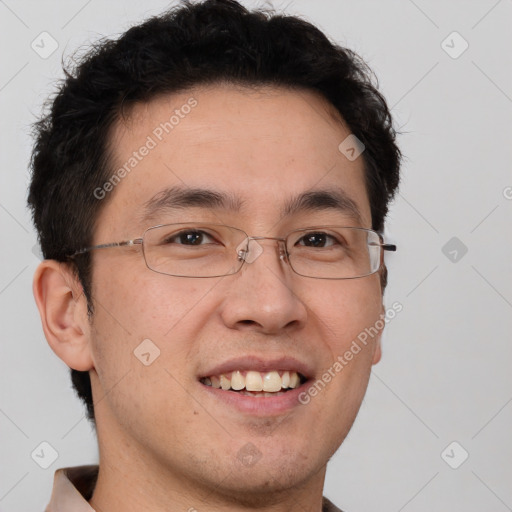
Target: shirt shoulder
(328,506)
(72,488)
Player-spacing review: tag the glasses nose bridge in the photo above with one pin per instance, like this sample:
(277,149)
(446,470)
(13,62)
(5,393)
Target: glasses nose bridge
(251,255)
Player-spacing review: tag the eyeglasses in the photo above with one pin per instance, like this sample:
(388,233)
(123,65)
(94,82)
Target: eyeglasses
(195,249)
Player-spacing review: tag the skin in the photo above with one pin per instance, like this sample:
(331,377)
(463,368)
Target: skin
(164,443)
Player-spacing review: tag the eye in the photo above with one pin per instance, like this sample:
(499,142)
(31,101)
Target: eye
(318,239)
(189,237)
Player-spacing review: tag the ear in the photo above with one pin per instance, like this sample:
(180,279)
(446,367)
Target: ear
(63,309)
(377,354)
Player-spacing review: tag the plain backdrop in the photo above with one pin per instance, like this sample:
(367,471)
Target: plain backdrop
(434,430)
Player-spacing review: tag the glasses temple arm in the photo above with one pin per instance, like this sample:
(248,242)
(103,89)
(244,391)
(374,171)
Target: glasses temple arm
(106,246)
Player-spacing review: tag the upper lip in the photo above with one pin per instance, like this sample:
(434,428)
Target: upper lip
(260,365)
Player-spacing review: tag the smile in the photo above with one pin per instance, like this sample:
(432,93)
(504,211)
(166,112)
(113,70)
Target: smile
(255,383)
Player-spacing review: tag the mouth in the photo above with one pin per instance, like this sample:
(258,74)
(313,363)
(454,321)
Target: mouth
(255,383)
(256,386)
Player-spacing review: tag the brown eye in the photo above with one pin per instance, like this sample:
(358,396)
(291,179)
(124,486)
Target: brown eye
(317,240)
(188,238)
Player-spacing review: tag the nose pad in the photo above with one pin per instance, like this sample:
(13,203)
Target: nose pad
(249,250)
(283,256)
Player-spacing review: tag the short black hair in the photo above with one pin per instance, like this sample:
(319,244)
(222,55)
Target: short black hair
(192,44)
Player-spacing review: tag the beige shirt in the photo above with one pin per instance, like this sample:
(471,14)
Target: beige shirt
(73,487)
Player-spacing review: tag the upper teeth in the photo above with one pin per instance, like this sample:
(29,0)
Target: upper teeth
(254,381)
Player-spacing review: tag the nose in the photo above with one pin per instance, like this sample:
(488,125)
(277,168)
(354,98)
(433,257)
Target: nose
(263,295)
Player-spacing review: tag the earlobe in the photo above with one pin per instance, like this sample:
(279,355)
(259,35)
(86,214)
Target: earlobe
(63,310)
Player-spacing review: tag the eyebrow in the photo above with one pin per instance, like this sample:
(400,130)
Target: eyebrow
(179,198)
(319,200)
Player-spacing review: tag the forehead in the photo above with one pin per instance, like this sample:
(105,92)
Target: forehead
(259,147)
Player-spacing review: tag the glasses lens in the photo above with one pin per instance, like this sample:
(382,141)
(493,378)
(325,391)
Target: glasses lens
(193,249)
(334,252)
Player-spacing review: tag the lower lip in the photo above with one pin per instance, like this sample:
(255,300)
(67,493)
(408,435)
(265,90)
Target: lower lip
(258,405)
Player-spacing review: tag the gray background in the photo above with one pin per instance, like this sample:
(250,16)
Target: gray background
(445,374)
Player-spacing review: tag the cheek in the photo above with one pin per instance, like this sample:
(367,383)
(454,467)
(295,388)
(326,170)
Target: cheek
(345,310)
(341,314)
(132,306)
(144,303)
(143,319)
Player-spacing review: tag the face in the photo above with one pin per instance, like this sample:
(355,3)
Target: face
(260,148)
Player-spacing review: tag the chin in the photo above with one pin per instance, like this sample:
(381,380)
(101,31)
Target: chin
(266,485)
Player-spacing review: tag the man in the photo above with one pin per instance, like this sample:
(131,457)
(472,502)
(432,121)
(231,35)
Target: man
(209,192)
